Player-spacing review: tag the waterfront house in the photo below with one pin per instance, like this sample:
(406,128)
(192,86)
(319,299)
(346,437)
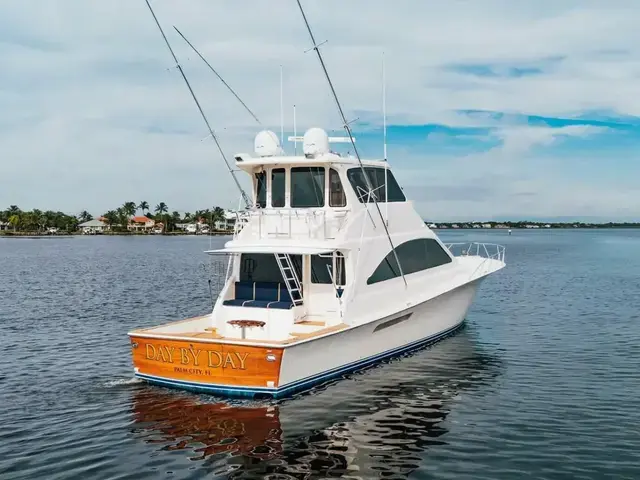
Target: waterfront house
(93,226)
(141,224)
(227,222)
(4,226)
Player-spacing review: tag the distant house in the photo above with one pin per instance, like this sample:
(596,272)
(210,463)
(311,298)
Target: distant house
(486,225)
(93,226)
(141,223)
(4,226)
(228,221)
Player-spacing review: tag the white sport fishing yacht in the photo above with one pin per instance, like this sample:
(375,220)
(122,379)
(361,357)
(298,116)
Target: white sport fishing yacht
(322,280)
(330,270)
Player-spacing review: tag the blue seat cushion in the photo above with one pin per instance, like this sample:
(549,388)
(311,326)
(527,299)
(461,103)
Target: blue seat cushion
(236,302)
(284,293)
(280,305)
(257,303)
(244,290)
(266,291)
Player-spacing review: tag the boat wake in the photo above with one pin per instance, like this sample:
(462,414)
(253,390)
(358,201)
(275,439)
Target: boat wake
(121,382)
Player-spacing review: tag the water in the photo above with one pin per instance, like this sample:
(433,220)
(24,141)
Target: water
(543,382)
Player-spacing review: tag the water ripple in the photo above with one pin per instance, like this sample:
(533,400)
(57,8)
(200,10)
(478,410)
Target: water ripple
(542,383)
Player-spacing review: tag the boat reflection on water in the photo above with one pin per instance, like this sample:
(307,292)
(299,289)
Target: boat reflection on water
(374,423)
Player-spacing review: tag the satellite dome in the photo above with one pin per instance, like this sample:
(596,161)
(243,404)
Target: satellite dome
(266,144)
(315,142)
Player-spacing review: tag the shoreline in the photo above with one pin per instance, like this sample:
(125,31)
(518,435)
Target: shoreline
(11,234)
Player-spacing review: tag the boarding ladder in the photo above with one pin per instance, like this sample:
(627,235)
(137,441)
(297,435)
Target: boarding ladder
(290,277)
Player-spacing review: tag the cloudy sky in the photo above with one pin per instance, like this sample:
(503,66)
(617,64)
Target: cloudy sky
(495,108)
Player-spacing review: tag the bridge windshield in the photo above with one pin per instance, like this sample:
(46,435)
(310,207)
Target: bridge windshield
(377,177)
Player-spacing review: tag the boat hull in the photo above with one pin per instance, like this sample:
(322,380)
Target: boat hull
(300,366)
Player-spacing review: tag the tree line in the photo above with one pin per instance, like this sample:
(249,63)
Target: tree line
(37,220)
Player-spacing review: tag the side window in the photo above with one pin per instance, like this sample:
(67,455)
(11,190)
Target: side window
(322,269)
(337,197)
(277,187)
(377,178)
(261,189)
(307,187)
(415,256)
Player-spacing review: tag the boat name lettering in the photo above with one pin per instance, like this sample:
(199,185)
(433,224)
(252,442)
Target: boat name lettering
(196,357)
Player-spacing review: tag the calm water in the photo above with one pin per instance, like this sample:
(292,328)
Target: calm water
(543,382)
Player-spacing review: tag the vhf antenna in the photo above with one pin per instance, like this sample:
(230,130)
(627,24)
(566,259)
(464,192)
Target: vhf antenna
(353,143)
(218,75)
(245,197)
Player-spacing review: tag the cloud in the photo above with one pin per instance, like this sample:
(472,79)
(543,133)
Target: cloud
(93,113)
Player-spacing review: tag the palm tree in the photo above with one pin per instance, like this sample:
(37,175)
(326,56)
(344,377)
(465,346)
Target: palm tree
(217,215)
(160,210)
(175,218)
(111,217)
(37,219)
(122,217)
(85,216)
(144,206)
(13,210)
(130,208)
(14,220)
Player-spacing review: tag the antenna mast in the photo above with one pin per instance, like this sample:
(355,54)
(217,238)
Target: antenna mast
(281,110)
(245,197)
(384,109)
(353,143)
(295,131)
(218,75)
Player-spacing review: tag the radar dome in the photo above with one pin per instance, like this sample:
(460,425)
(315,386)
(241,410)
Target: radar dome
(315,142)
(266,144)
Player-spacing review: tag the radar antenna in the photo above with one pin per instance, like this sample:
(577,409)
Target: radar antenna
(218,75)
(245,197)
(347,128)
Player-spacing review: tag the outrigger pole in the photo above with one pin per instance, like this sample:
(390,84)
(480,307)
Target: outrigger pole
(245,197)
(218,75)
(347,128)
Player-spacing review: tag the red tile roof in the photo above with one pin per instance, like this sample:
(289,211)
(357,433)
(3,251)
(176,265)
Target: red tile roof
(141,219)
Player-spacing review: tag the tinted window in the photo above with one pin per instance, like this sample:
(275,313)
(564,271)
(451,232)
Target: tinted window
(322,268)
(262,267)
(261,189)
(377,178)
(277,187)
(307,187)
(337,198)
(414,255)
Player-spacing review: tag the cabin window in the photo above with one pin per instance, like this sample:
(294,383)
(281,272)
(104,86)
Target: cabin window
(415,256)
(261,189)
(322,268)
(337,197)
(277,187)
(307,187)
(377,178)
(263,267)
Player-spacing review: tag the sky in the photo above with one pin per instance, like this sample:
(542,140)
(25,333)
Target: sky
(495,109)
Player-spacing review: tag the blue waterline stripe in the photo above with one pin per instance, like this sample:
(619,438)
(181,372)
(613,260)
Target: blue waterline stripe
(318,378)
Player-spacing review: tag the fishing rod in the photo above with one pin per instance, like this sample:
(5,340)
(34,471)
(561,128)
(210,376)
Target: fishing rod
(347,128)
(218,75)
(245,197)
